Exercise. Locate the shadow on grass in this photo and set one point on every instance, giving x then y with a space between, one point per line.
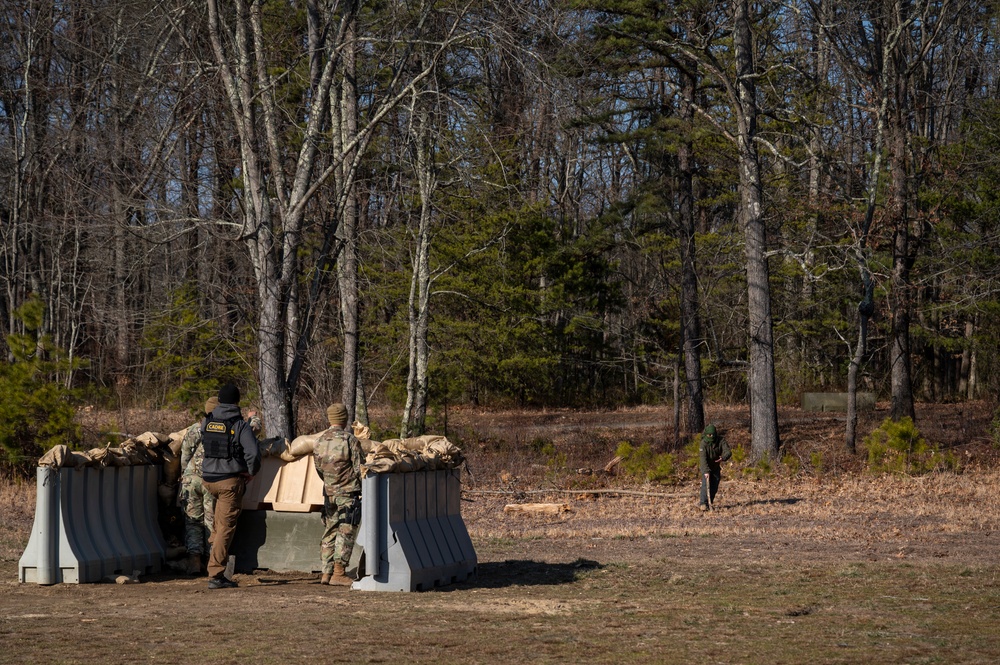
493 575
766 502
501 574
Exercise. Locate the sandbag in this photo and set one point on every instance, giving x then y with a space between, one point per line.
176 439
171 467
273 447
62 457
108 457
415 444
378 465
135 453
300 447
361 431
430 452
153 439
445 451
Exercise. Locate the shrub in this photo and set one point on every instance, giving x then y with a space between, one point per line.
898 447
36 404
760 470
791 463
995 429
816 460
691 454
643 464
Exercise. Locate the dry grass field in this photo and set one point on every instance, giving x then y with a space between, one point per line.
812 561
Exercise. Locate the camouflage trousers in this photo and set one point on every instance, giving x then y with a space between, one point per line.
339 535
199 515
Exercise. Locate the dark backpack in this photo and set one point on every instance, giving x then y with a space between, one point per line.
218 437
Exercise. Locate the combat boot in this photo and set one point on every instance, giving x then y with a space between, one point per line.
325 579
339 578
193 564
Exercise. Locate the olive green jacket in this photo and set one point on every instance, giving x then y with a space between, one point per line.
711 449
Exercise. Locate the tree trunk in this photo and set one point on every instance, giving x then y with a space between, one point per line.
347 266
901 405
415 412
239 76
690 320
677 401
764 439
965 370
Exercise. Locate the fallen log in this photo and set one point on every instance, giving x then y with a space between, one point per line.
537 508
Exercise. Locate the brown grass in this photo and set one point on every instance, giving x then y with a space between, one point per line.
17 512
890 511
806 565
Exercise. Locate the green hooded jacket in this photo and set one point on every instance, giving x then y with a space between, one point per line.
711 448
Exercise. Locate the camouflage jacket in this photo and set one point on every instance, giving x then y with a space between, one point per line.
192 452
338 459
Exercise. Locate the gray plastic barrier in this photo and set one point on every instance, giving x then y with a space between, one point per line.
93 522
412 534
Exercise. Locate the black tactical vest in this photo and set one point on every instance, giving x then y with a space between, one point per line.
218 437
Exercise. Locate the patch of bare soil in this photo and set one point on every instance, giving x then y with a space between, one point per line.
816 564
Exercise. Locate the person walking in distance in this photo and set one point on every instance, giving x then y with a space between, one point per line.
712 452
232 458
338 456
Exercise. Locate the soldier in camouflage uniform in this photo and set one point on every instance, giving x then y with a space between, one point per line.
198 505
338 458
196 501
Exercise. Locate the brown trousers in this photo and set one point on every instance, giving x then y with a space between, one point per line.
228 495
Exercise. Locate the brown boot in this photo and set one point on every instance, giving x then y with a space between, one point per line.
325 579
339 578
193 564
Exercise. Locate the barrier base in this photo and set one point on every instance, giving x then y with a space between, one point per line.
282 542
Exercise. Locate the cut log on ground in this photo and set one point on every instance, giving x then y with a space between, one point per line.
536 508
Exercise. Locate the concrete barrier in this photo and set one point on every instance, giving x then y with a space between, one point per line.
412 536
836 402
278 541
93 522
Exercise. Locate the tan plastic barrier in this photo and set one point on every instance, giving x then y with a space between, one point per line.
281 486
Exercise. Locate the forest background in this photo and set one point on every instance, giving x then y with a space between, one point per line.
496 203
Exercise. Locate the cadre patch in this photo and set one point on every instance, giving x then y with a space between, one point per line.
215 427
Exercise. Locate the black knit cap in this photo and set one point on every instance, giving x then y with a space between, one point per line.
229 394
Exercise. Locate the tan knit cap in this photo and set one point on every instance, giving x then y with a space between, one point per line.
210 404
337 414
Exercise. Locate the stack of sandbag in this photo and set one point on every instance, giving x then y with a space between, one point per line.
148 448
423 453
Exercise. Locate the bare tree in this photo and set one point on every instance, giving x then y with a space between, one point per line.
275 196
